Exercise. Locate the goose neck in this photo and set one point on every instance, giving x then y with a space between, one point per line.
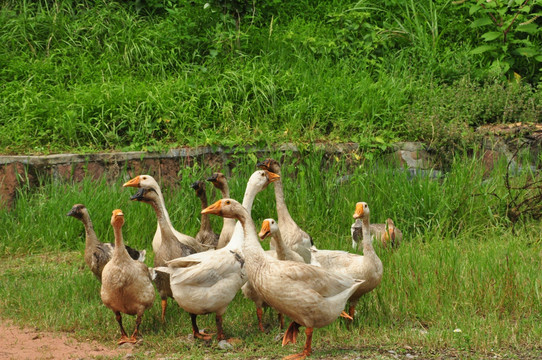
367 241
119 242
282 209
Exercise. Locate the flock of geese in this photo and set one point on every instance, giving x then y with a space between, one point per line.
204 273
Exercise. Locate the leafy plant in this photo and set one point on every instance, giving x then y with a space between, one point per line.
509 35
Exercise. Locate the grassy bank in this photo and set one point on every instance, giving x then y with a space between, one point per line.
102 75
462 283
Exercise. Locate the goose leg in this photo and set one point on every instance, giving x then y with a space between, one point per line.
259 313
220 332
164 306
133 338
123 336
290 336
307 350
281 320
195 331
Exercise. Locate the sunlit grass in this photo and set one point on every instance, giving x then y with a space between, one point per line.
460 266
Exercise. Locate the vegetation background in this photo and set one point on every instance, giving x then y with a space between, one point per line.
150 74
88 76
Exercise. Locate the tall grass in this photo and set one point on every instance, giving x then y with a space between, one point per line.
106 75
462 280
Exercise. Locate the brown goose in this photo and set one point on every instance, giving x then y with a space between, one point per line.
97 254
385 233
205 236
294 237
220 182
126 283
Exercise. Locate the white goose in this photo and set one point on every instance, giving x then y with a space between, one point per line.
207 282
294 237
367 266
313 297
281 252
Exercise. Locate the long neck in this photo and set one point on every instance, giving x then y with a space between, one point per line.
225 190
252 250
90 235
119 250
282 209
163 206
367 241
205 222
164 224
279 246
248 200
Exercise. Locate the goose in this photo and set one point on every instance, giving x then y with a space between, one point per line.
97 254
294 237
126 283
220 182
367 266
281 252
167 243
207 282
385 233
311 296
205 236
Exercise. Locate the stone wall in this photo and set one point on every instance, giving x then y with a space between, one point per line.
18 170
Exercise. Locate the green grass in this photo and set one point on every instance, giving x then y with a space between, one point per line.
107 75
460 266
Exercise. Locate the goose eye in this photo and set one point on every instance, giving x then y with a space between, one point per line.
227 202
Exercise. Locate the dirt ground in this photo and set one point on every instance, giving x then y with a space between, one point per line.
27 343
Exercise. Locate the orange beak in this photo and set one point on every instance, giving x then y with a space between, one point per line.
215 209
272 176
265 231
132 183
118 217
359 211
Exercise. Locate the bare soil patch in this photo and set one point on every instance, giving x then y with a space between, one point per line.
28 343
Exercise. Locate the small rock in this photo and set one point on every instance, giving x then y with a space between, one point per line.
126 346
407 347
128 356
224 345
392 352
423 331
410 356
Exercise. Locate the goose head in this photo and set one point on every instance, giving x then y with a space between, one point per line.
199 187
227 208
117 218
269 227
142 181
146 195
260 179
218 180
77 211
362 210
270 165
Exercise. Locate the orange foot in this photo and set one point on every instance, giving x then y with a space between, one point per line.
299 356
346 316
125 339
203 336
